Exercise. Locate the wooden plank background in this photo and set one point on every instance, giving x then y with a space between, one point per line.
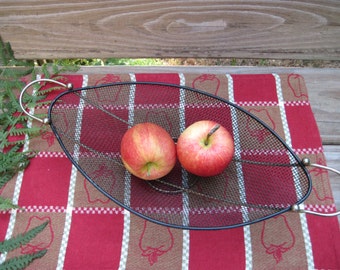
51 29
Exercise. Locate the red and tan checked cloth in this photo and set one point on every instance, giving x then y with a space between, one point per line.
88 231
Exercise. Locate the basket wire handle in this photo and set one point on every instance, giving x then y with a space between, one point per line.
45 120
298 208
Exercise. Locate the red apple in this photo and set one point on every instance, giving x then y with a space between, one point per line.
205 148
148 151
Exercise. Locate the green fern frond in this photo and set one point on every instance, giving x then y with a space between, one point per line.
6 204
13 150
33 131
7 56
31 100
11 163
10 83
4 179
16 72
45 103
65 68
49 90
52 70
21 239
22 118
17 142
14 123
22 261
14 160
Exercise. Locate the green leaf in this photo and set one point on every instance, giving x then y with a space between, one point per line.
14 132
7 56
22 261
6 204
4 179
13 162
25 131
21 239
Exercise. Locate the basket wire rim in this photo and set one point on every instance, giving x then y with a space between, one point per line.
187 88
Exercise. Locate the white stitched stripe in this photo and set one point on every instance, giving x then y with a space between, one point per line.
246 229
73 178
185 198
127 189
303 219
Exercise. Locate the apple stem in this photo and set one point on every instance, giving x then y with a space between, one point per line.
148 167
211 132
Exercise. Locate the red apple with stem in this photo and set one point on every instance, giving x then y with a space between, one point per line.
148 151
205 148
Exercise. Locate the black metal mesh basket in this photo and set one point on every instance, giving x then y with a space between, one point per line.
264 179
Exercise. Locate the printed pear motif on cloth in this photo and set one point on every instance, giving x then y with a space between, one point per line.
109 78
295 83
260 133
48 136
93 195
155 241
207 82
323 185
43 240
277 237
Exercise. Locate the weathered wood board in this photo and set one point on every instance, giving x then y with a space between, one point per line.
237 29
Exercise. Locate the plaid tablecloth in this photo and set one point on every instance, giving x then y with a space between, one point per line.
88 231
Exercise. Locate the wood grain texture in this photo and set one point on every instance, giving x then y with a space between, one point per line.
101 29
